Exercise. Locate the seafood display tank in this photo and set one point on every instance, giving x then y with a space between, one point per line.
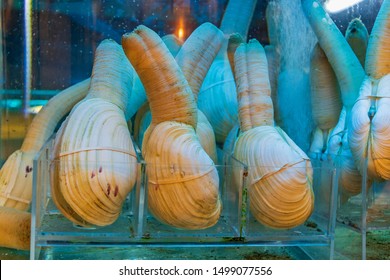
195 129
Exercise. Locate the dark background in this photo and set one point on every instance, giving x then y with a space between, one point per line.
66 33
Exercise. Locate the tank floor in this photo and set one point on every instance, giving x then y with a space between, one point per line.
347 246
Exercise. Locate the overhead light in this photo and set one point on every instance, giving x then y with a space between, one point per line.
336 6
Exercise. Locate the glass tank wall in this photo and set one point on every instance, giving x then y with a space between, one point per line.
47 46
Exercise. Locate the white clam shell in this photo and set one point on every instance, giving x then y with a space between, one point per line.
280 177
183 182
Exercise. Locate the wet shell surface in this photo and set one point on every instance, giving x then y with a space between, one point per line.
217 99
93 173
280 192
369 133
183 181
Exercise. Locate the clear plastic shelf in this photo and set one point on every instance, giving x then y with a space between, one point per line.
136 226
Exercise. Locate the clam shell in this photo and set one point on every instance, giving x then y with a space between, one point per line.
183 182
350 179
92 174
369 134
16 180
217 99
280 177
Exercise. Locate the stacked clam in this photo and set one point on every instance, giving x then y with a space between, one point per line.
93 164
361 133
183 182
16 175
280 174
369 135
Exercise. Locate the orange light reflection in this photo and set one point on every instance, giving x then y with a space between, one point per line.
181 29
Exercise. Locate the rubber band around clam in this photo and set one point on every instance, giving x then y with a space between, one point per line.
18 199
256 180
215 84
182 180
123 151
368 97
